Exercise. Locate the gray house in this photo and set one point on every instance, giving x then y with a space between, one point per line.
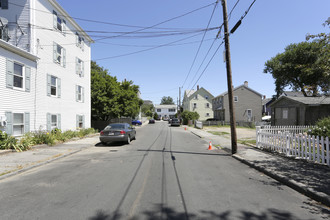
289 110
247 105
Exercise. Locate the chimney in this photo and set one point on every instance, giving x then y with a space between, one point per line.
264 97
246 83
197 87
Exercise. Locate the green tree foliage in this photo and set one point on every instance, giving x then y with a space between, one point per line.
167 101
322 128
188 115
156 115
304 66
147 109
111 99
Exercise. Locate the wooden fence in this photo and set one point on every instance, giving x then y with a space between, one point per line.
294 144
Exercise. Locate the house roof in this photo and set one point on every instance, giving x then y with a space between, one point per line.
323 100
238 87
188 92
73 22
294 94
165 106
265 101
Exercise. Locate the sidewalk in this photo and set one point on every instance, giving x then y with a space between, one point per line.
308 178
12 163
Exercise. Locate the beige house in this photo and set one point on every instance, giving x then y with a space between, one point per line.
199 101
247 105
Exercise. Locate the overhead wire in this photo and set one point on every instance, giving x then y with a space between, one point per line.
215 6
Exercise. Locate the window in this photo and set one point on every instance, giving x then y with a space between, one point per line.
18 124
4 4
79 41
53 86
235 98
18 75
207 114
171 110
79 67
285 113
196 97
194 105
59 23
249 114
159 110
80 121
207 105
4 32
59 55
79 94
206 97
53 122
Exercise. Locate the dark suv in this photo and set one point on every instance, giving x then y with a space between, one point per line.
175 122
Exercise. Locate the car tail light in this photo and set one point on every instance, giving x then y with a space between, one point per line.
122 132
101 133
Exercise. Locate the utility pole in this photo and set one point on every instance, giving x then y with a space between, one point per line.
179 109
229 81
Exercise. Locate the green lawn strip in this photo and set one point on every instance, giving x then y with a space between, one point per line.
220 133
247 141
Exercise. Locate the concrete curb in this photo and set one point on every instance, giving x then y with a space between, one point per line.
302 188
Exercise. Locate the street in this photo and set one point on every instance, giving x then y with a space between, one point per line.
166 173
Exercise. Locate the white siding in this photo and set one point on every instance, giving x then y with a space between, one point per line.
37 102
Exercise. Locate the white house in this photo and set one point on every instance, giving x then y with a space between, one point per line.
44 68
166 111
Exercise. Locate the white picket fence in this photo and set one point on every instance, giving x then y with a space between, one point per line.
290 129
298 145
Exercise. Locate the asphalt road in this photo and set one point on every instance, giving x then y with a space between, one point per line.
166 173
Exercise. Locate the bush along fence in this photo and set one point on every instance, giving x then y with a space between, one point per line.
40 137
294 141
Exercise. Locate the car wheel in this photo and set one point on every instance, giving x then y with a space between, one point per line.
128 139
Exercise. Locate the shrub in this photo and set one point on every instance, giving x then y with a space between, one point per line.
188 115
322 128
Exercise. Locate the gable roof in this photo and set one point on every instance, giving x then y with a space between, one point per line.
165 106
188 92
194 92
238 87
323 100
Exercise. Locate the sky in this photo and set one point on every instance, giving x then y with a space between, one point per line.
162 45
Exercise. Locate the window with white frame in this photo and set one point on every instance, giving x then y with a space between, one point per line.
194 105
18 124
206 97
196 97
207 105
171 110
59 23
59 54
53 122
285 113
79 41
207 114
249 114
79 93
79 67
235 98
18 76
53 86
4 4
80 122
159 110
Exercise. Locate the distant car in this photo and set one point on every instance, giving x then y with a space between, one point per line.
136 122
152 121
118 132
169 121
175 122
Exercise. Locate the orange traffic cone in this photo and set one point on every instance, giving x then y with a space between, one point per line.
210 146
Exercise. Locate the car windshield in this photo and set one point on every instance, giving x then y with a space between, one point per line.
115 126
175 119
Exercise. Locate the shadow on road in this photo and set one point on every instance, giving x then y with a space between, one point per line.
187 152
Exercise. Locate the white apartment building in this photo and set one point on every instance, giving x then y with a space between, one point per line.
44 68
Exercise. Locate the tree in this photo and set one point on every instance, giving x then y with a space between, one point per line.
188 115
167 101
111 99
304 66
156 115
147 109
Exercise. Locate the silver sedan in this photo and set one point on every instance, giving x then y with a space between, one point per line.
118 132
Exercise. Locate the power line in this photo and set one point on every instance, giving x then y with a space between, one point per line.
207 65
231 11
108 23
200 44
238 23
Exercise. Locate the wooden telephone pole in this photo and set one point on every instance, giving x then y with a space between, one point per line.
229 81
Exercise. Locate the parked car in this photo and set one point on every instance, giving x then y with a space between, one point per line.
136 122
175 122
151 121
211 119
118 132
